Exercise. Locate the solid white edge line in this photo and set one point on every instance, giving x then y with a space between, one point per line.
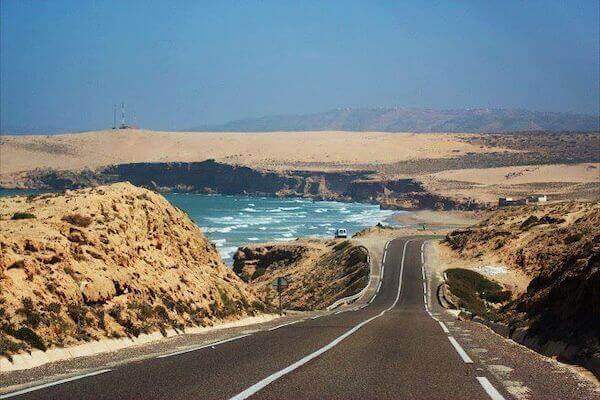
288 324
202 347
461 352
273 377
50 384
489 388
444 328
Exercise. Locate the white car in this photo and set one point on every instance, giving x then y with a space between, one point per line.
341 233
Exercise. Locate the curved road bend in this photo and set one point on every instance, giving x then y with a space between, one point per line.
392 348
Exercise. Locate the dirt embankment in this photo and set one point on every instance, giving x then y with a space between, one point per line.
111 261
558 247
319 272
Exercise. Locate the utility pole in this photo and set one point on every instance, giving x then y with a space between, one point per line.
122 115
114 116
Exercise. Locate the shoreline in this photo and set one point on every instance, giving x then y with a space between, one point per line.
228 236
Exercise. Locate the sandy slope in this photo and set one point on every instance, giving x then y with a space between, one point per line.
110 261
279 150
319 271
558 247
586 172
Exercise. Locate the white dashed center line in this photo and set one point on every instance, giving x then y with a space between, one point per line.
489 388
461 352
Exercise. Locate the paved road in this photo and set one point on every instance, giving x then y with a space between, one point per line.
391 348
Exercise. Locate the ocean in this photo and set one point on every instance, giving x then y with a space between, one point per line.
233 221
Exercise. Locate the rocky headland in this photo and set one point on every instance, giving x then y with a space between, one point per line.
211 177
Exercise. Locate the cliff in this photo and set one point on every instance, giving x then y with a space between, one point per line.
107 262
558 246
319 272
213 177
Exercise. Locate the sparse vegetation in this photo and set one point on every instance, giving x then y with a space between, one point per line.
476 292
67 296
229 306
9 346
29 336
32 316
23 215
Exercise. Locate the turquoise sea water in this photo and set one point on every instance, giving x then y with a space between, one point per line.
233 221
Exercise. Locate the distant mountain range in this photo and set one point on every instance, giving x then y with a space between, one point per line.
394 119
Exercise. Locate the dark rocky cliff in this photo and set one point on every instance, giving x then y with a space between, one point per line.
213 177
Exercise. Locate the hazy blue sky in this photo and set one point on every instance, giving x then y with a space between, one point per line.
183 63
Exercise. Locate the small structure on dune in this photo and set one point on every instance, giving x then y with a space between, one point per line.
510 201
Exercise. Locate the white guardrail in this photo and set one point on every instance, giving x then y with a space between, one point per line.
354 297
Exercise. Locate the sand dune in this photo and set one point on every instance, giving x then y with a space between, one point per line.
278 150
583 173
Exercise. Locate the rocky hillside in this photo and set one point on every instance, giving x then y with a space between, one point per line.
397 119
319 272
110 261
558 246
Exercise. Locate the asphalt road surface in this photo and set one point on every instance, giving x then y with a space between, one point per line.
390 348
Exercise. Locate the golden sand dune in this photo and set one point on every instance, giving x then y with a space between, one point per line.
583 173
278 150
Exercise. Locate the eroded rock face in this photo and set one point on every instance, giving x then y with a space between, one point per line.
319 272
210 176
108 261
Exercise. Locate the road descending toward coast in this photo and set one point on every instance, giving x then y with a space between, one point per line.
392 347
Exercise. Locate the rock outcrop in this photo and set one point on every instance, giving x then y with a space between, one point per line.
108 261
558 245
319 272
219 178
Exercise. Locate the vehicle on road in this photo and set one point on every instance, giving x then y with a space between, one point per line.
341 233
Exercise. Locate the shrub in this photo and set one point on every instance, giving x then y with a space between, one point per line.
9 346
229 306
161 312
23 215
130 327
78 314
27 335
473 289
78 220
32 316
258 272
573 238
